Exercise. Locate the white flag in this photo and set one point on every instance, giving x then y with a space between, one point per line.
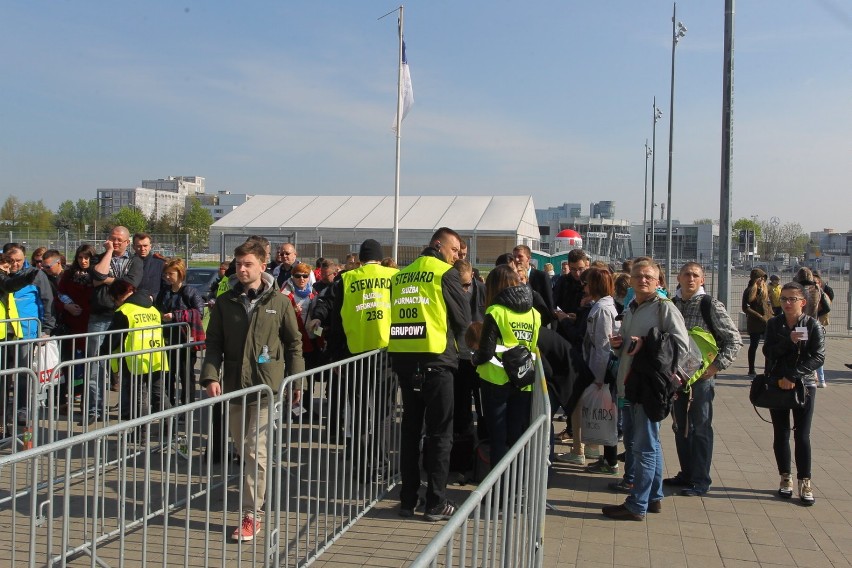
407 91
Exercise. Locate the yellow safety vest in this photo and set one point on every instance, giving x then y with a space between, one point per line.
142 364
418 313
9 311
366 307
516 328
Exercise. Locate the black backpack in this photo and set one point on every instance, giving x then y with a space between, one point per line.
653 379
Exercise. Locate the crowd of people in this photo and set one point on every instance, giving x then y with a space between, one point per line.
452 339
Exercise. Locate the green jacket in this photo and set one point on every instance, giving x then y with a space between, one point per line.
235 340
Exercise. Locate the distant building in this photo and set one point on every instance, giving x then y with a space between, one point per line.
689 242
600 232
154 198
221 203
829 250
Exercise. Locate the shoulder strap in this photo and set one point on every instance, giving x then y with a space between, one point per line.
706 307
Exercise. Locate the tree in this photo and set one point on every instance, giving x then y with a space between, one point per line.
132 218
10 212
36 215
746 225
197 223
705 221
65 216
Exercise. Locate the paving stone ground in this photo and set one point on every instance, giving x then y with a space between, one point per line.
740 523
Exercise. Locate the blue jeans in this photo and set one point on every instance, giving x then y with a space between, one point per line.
694 433
648 464
97 371
627 434
821 374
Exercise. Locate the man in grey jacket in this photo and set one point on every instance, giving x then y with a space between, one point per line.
647 310
693 410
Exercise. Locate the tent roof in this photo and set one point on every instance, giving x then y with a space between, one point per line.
464 213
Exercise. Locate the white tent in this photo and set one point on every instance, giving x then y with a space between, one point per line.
316 224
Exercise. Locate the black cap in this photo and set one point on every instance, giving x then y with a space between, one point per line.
370 250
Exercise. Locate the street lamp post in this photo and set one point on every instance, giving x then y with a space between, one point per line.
645 209
658 114
678 31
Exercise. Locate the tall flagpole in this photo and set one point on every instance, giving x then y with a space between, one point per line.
398 145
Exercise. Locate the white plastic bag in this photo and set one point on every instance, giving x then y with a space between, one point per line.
600 416
45 360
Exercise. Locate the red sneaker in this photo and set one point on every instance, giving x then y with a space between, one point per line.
248 528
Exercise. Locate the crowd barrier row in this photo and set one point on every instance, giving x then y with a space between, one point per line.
501 523
168 487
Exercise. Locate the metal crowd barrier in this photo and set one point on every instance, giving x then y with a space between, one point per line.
136 492
51 402
25 322
167 487
502 522
347 440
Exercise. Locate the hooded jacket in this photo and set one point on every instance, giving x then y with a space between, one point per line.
237 333
516 298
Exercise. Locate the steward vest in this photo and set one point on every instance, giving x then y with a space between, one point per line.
224 286
366 307
418 312
142 364
9 311
516 328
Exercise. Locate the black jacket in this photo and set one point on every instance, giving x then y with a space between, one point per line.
539 281
458 320
568 293
152 275
796 362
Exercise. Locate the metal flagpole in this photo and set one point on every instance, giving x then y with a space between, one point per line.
398 145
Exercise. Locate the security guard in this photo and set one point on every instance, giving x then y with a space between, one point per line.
429 309
134 310
354 314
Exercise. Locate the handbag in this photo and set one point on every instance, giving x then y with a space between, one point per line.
765 393
519 366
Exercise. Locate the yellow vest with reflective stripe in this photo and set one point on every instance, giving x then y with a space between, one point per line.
418 313
516 328
366 307
137 317
9 311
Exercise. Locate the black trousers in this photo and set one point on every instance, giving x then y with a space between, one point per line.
433 405
802 418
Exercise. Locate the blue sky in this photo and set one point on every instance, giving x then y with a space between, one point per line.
552 99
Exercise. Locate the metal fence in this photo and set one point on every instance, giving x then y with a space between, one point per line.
501 523
166 488
839 318
66 242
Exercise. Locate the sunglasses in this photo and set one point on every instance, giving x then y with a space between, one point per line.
300 276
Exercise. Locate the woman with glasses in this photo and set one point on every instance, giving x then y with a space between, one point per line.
301 293
794 348
758 310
